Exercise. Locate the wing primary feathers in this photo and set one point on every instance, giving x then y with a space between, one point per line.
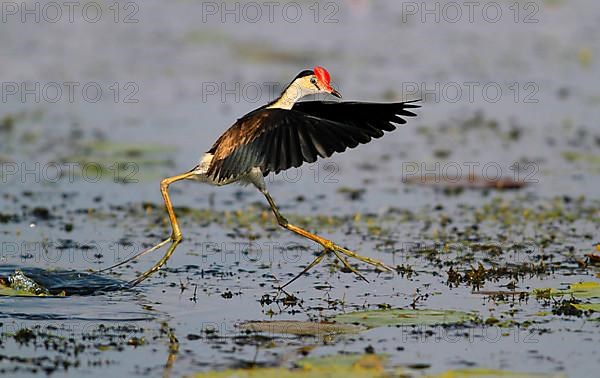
278 139
308 150
276 157
322 149
246 158
283 149
294 144
333 140
268 152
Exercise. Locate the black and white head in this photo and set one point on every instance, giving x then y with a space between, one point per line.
307 82
314 81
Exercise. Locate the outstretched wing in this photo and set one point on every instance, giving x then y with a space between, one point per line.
278 139
374 118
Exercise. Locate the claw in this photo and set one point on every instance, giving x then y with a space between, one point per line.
348 266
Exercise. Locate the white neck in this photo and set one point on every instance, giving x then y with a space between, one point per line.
289 97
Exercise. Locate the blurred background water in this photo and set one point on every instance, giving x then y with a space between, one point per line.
142 89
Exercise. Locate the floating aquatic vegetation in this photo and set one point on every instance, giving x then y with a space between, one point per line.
570 301
352 194
7 123
367 360
592 160
62 347
593 307
491 373
585 289
347 366
476 277
590 289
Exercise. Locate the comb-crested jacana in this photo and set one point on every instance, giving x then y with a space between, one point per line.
284 134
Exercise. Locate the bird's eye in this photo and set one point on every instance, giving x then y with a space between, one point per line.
313 80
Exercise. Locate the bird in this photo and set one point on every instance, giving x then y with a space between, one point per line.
282 134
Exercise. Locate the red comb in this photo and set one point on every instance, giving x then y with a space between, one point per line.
322 74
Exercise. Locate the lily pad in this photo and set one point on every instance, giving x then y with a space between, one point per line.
490 373
300 328
404 317
594 307
585 290
581 290
352 366
588 289
364 360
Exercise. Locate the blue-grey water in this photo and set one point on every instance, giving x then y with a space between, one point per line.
152 84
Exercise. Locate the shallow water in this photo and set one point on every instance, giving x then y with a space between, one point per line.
230 260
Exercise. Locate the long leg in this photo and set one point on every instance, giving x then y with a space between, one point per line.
327 244
176 235
164 189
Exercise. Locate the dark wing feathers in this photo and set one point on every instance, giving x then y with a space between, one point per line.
309 152
278 139
360 114
296 157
